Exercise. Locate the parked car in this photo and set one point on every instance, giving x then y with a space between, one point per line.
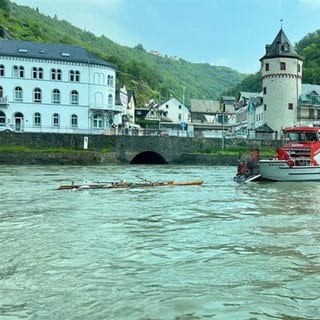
6 128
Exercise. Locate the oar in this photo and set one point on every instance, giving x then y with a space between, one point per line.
103 182
144 179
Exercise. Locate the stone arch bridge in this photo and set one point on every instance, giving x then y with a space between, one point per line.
152 149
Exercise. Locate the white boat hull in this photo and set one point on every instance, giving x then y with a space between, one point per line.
279 170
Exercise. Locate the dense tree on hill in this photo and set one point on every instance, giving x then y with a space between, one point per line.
309 49
5 6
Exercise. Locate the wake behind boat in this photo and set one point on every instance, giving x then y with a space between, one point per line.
122 184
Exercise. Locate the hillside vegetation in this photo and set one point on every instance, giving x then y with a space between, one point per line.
151 77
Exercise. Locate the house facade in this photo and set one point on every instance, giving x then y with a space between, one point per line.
176 111
55 88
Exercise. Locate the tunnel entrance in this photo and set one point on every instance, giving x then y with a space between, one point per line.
148 157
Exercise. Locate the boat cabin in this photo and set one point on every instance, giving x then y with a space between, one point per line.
302 134
302 148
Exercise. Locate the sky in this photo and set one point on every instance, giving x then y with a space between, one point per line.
230 33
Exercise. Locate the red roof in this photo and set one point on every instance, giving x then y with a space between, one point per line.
302 128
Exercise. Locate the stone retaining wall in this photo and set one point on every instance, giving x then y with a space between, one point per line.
115 149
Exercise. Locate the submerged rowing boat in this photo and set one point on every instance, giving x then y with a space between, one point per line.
121 184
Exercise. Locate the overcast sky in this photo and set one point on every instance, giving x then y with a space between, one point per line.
231 33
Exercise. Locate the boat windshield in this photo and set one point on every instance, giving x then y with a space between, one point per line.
302 136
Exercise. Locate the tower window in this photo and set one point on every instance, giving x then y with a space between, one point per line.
267 66
290 106
282 66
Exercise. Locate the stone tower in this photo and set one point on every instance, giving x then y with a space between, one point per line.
281 72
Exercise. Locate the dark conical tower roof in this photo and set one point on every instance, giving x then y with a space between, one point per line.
280 47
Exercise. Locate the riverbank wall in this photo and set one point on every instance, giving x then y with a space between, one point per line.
75 149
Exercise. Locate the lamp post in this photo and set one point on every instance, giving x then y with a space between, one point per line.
183 122
222 136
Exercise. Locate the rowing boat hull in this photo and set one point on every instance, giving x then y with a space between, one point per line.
130 185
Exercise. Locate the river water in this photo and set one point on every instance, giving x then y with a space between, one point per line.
222 250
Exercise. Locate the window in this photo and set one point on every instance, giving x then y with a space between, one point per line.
21 72
290 106
71 75
110 80
37 95
2 118
264 90
18 96
298 67
77 76
74 99
56 120
267 66
56 74
74 76
37 119
110 99
37 73
98 121
1 70
264 107
56 96
282 66
18 72
15 71
74 121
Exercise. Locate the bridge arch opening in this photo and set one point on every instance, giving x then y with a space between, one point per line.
148 157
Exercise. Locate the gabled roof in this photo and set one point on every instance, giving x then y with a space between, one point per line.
307 88
38 50
171 100
281 47
248 95
264 129
228 99
205 106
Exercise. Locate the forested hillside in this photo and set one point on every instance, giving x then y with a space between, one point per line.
148 75
309 49
151 77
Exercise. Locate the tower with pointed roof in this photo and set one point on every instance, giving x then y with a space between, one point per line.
281 72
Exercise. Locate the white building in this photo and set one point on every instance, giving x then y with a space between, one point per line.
176 111
281 72
55 88
284 100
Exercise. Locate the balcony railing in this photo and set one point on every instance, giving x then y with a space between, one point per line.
4 102
107 107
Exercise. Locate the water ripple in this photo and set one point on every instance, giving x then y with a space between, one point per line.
220 251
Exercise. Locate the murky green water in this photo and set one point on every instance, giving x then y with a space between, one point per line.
220 251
